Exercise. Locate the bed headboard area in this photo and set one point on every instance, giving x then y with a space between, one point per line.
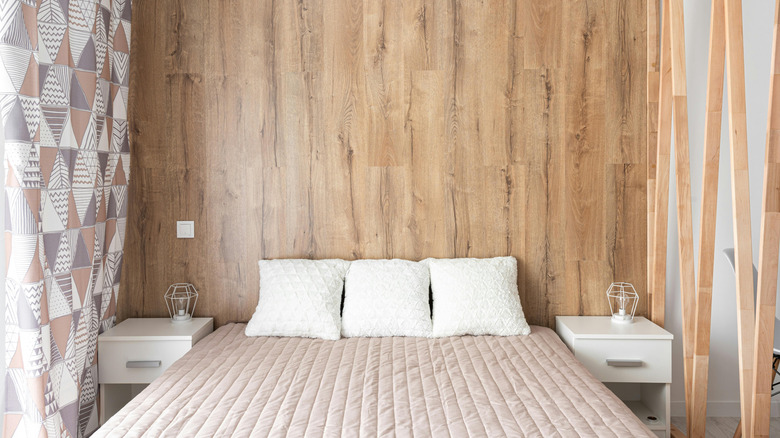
387 129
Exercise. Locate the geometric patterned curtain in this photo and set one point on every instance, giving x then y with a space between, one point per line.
64 68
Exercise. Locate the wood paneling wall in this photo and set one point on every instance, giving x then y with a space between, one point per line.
379 129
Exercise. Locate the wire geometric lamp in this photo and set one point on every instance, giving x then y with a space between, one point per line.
181 299
623 300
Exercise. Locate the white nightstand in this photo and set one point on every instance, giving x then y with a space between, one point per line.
137 351
633 360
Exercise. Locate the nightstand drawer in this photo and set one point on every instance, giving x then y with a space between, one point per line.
626 360
137 361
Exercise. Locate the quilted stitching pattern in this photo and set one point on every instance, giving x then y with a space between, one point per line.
496 386
299 298
476 297
386 298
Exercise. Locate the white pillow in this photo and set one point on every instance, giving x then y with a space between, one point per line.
476 297
299 298
386 298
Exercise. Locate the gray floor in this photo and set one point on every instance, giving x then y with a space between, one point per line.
723 427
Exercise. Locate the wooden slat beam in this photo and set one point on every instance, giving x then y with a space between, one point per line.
709 207
768 254
740 193
653 88
683 181
663 154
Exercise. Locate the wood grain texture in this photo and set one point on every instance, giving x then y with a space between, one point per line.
386 129
657 274
740 199
653 89
766 300
682 164
709 207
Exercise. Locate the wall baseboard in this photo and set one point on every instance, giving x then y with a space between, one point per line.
720 409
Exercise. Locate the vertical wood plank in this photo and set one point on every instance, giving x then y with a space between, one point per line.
740 198
386 212
663 163
683 181
653 16
543 20
384 60
709 207
482 145
341 162
585 61
542 268
429 30
432 214
626 181
626 184
768 252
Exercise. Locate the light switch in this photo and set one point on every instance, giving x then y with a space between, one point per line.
185 229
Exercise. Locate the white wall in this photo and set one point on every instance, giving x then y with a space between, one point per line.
758 19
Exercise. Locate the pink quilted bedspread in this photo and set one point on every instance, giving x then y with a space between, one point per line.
233 385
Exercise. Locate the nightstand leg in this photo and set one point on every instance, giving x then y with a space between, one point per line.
102 404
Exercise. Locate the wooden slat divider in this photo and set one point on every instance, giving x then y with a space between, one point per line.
768 254
653 89
709 204
663 154
683 181
743 253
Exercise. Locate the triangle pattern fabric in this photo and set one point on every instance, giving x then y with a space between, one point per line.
18 155
101 92
52 25
58 202
51 34
60 175
12 27
50 402
32 352
82 196
55 87
119 138
88 11
15 62
6 84
15 123
64 68
87 59
76 18
55 117
34 293
58 303
32 113
78 41
32 173
77 97
62 261
51 11
86 169
89 137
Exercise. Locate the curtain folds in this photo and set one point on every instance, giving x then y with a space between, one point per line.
64 68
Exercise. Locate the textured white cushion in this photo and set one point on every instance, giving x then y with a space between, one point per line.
299 298
386 298
476 297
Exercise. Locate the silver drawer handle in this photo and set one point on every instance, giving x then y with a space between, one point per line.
624 363
143 364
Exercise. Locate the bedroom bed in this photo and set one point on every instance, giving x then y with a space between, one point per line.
233 385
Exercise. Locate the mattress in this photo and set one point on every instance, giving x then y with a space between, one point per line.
233 385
